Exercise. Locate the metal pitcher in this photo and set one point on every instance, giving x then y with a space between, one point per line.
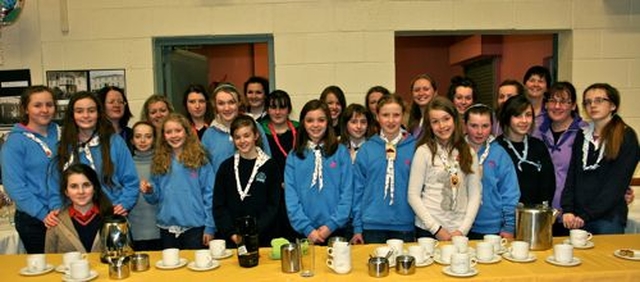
115 238
534 225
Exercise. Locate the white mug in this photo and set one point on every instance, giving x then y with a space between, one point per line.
461 243
383 251
497 241
203 258
428 244
579 237
339 251
340 266
484 251
170 256
419 253
462 263
519 250
563 253
446 251
217 247
79 269
397 245
36 262
69 257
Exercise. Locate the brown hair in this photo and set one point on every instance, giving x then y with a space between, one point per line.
613 133
415 114
25 98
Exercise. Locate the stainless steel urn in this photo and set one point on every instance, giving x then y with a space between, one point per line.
534 224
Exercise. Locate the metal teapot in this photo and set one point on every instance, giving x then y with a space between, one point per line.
115 238
534 225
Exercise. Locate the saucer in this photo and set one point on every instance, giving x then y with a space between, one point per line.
619 255
26 272
495 259
508 257
472 272
160 264
213 265
502 250
574 261
426 262
436 258
92 274
61 268
589 245
227 253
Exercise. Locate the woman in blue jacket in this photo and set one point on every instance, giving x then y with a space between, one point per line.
318 177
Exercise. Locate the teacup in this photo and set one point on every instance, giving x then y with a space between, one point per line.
276 244
36 262
563 253
69 257
419 253
339 250
397 245
498 242
203 258
383 251
519 250
461 243
579 237
79 269
462 263
428 244
217 247
445 253
170 256
484 251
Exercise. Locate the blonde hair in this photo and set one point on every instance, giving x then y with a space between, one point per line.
193 154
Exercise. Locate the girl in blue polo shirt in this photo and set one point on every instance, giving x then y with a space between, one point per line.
318 177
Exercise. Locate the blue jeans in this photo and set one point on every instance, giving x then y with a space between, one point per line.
381 236
605 226
32 232
189 240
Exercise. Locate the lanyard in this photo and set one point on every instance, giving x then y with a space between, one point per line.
275 136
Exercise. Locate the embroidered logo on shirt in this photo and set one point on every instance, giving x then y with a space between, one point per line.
261 177
194 174
333 164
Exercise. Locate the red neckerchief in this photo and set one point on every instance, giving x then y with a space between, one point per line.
275 136
84 219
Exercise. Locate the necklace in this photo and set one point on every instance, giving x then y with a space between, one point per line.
272 128
485 154
260 160
452 169
391 153
589 138
522 158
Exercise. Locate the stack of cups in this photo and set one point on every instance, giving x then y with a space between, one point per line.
339 257
397 246
461 243
428 244
499 243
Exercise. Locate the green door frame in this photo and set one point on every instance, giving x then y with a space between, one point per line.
163 44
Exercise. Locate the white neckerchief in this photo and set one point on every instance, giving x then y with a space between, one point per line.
522 158
356 145
588 138
391 153
452 169
260 160
43 145
86 148
215 123
487 144
317 171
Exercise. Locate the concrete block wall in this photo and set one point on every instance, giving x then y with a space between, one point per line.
318 43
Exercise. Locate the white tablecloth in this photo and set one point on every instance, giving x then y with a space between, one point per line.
10 241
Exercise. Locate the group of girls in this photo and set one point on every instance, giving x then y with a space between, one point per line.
353 171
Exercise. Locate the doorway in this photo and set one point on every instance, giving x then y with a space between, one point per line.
209 60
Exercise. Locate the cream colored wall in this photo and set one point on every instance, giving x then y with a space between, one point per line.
317 43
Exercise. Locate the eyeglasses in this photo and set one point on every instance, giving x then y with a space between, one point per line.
596 101
561 102
116 102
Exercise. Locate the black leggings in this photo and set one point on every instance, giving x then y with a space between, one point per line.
32 232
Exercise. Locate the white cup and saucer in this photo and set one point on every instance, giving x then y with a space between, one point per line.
462 265
68 258
36 265
203 261
519 252
218 249
422 257
499 243
79 270
171 259
443 254
485 253
563 256
580 239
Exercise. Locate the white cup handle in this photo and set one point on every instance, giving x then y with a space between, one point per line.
436 244
330 251
473 262
589 236
503 241
330 263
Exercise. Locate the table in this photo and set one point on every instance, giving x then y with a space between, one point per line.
598 264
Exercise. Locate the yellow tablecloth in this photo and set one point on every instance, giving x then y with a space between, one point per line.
598 264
